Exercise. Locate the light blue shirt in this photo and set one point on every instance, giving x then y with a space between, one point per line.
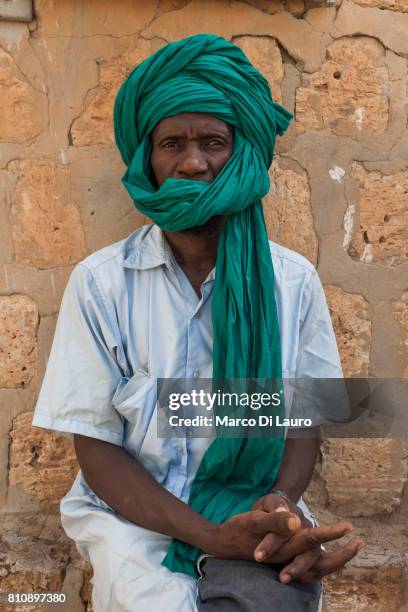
129 316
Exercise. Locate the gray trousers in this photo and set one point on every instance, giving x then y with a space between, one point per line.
230 585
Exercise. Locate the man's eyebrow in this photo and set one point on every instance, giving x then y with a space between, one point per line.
212 134
169 135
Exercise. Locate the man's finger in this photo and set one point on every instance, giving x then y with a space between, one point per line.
300 565
271 504
333 561
281 523
269 545
307 539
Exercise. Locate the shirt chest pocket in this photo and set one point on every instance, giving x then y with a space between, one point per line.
135 399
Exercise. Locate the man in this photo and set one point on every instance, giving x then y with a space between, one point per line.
200 294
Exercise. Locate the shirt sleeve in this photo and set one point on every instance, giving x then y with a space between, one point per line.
318 356
82 374
319 389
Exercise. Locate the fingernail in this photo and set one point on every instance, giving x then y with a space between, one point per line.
285 578
259 555
281 509
293 523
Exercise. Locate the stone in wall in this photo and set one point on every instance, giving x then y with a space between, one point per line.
24 110
302 42
372 582
103 18
171 5
364 476
400 311
296 7
29 564
288 214
389 27
352 326
390 5
42 463
95 124
18 340
348 96
263 52
382 232
45 221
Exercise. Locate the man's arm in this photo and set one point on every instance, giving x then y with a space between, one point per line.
295 473
298 461
296 470
131 490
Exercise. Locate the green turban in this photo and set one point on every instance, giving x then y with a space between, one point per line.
208 74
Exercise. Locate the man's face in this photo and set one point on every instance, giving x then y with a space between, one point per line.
191 146
194 147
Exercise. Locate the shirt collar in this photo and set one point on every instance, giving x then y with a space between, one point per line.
151 251
148 249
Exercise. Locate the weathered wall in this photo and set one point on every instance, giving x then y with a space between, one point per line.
339 196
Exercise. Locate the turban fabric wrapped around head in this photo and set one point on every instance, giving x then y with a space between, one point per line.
207 74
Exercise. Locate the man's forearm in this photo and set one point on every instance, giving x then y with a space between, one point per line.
297 466
131 490
123 483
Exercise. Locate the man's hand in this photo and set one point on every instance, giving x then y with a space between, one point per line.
272 541
277 538
239 535
310 562
272 502
307 540
313 564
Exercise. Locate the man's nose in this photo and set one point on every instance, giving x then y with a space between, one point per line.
192 162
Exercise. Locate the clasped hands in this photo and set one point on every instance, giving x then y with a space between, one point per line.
275 531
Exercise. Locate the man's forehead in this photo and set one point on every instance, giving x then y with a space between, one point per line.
184 122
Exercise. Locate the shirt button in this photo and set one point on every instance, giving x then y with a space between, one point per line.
196 374
197 315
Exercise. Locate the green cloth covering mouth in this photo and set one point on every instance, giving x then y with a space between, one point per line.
207 74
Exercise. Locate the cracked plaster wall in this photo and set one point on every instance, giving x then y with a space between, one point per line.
339 196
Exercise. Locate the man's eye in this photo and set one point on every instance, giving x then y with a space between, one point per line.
170 144
215 142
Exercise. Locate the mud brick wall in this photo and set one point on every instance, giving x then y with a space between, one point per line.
339 196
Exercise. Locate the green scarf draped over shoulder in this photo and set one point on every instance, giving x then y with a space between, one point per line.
208 74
